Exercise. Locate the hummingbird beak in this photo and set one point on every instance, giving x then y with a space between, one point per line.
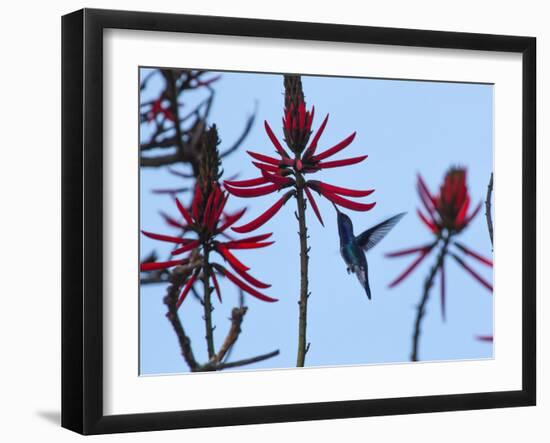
335 207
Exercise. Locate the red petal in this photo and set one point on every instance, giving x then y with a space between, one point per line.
314 205
265 217
155 266
474 254
186 289
166 238
197 199
277 179
431 226
168 114
172 221
473 273
230 258
339 190
267 168
426 248
427 198
206 216
218 204
335 149
344 162
472 215
217 215
253 281
344 202
488 338
191 245
302 114
230 219
247 288
255 238
274 140
247 245
246 183
264 158
310 118
253 192
313 145
216 286
463 210
184 213
407 271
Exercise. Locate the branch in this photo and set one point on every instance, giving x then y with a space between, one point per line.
488 209
247 128
154 278
237 315
156 162
238 363
168 142
178 276
421 309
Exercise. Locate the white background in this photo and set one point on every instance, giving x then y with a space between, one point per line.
30 179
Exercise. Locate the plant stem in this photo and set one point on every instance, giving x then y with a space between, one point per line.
304 259
208 306
427 285
488 209
177 277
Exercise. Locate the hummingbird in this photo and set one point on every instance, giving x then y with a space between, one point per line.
353 248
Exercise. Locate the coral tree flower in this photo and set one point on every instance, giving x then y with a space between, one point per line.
158 107
285 171
446 215
207 220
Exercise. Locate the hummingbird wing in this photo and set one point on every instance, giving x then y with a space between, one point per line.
371 237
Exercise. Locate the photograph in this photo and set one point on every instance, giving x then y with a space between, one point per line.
291 220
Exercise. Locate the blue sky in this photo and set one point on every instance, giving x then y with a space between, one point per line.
405 127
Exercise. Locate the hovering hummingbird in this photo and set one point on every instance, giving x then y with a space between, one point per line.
353 247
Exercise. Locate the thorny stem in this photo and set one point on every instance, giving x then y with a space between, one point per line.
488 209
421 309
178 276
207 299
304 259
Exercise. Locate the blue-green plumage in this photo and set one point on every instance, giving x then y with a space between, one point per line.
353 248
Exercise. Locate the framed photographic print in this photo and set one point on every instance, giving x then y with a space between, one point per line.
256 209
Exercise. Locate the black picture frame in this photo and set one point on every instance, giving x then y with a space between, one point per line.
82 217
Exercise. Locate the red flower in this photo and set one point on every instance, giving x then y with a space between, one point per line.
449 209
282 172
158 108
207 219
446 215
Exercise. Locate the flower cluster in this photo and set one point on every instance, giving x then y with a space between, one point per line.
446 215
160 107
286 171
206 221
448 210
